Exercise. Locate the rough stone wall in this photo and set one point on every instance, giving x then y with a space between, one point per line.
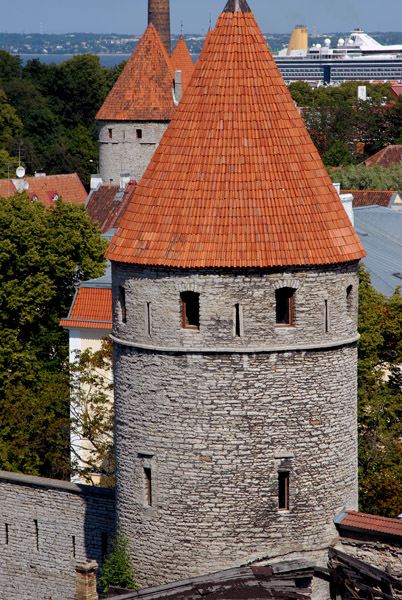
46 527
124 151
214 418
378 554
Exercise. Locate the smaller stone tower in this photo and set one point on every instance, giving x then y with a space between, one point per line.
137 111
159 15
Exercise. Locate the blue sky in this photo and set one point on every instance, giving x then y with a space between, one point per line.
130 16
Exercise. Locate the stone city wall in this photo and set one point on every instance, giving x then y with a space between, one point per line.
380 554
46 527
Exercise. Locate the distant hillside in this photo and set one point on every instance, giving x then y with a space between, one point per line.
110 43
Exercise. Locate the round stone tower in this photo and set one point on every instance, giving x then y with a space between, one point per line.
159 15
235 310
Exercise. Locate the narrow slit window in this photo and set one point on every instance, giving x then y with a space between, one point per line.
73 549
284 306
190 310
283 490
110 133
349 299
139 134
149 318
36 533
326 321
148 486
7 534
124 134
237 321
123 307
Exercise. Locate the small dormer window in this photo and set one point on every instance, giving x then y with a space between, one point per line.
190 310
284 306
55 197
34 198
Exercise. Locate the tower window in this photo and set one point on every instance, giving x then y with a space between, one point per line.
139 134
283 490
326 319
148 312
7 534
110 133
238 323
148 485
284 306
190 310
349 299
122 302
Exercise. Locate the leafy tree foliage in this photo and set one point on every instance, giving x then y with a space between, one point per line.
369 178
117 568
92 417
10 123
380 400
10 66
42 256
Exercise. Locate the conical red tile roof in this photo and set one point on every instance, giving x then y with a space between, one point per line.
143 92
236 180
182 61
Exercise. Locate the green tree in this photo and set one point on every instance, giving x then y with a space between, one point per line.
10 66
369 178
8 165
117 568
302 93
43 254
337 155
10 123
379 400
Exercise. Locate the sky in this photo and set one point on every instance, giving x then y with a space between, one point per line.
130 16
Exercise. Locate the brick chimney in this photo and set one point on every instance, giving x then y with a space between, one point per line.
86 581
159 16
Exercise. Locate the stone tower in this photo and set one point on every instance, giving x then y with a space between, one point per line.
235 311
159 15
137 111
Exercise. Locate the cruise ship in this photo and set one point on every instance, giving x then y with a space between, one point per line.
358 57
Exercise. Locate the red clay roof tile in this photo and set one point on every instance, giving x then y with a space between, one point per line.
236 176
363 521
143 92
46 189
92 308
386 157
370 197
182 61
106 205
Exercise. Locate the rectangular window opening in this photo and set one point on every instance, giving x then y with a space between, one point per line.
139 134
7 534
349 298
124 134
190 310
149 318
148 485
73 542
36 533
326 322
104 542
237 321
283 491
110 133
284 306
123 308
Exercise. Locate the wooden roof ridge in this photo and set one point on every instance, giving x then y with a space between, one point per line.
143 91
236 180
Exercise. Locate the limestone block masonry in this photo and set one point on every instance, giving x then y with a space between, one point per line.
46 528
206 419
127 147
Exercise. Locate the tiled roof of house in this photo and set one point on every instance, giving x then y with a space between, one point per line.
143 92
182 61
370 197
371 523
7 188
236 180
396 89
385 157
46 189
107 204
91 308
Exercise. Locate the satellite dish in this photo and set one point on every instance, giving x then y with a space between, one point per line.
20 172
26 185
